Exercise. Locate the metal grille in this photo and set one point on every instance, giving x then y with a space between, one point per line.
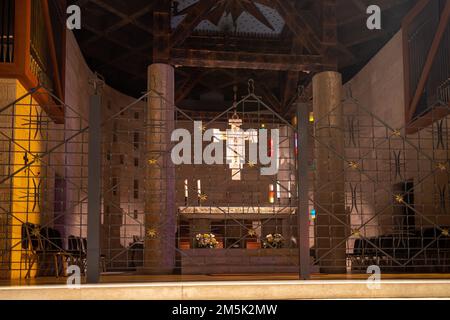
43 172
389 197
379 195
155 212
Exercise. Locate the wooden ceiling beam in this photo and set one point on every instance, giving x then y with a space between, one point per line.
266 93
244 60
125 20
161 31
236 42
290 80
124 17
290 86
329 33
197 15
187 87
299 25
235 79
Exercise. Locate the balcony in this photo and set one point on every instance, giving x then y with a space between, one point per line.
32 42
426 36
7 31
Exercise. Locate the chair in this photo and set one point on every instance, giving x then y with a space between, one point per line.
78 250
40 243
54 245
77 247
32 244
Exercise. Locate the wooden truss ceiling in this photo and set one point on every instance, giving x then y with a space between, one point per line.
234 8
119 39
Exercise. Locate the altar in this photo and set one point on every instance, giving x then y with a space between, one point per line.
248 213
237 227
239 261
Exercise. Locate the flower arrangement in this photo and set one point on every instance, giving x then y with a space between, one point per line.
274 241
207 240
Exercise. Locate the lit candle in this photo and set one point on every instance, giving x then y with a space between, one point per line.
271 194
278 191
186 191
289 190
199 190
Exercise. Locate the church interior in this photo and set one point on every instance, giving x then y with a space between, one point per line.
349 106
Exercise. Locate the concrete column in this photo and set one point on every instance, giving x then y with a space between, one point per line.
94 189
303 190
329 189
160 214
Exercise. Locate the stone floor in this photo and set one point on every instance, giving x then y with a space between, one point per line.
210 288
117 278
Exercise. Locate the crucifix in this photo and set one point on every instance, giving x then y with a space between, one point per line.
235 139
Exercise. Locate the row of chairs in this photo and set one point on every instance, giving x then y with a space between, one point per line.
421 245
41 244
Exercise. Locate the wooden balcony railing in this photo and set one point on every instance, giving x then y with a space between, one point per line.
426 47
32 49
40 60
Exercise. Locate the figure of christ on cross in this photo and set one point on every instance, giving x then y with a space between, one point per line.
235 138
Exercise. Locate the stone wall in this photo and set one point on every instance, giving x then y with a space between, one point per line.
123 161
7 95
379 90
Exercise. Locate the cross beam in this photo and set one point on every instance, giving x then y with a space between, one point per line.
299 25
245 60
189 23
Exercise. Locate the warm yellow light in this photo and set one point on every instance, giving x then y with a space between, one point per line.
311 117
294 121
23 192
271 194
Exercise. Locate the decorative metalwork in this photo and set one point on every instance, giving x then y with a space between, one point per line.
397 133
354 198
442 166
397 164
152 233
352 131
353 165
37 123
440 135
372 215
442 196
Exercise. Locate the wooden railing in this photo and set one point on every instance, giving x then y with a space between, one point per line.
426 47
40 61
7 16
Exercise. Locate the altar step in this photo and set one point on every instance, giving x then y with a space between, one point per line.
242 269
240 261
